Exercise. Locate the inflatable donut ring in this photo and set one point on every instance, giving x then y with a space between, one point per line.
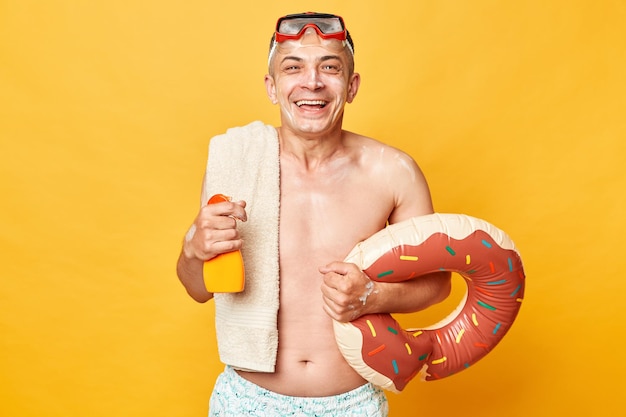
381 351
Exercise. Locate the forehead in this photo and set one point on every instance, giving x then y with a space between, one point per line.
312 49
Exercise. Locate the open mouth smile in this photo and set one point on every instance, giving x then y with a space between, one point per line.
320 104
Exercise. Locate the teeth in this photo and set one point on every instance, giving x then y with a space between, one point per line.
310 103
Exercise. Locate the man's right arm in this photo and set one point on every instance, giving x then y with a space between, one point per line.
189 271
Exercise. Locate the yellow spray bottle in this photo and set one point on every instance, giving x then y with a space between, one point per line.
225 272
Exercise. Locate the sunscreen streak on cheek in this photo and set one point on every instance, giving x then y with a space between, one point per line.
286 110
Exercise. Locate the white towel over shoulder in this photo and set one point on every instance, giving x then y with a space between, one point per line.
243 163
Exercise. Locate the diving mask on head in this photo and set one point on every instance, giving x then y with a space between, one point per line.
327 26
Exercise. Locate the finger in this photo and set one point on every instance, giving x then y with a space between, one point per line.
211 236
346 282
341 268
341 315
226 209
227 246
330 312
212 249
330 290
333 281
224 223
236 209
239 210
338 300
333 306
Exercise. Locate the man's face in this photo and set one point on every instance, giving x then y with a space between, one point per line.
311 80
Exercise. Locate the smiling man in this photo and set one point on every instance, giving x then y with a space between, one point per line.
336 188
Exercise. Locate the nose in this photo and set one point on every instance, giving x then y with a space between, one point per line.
312 79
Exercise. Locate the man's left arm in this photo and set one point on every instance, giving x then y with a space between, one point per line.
348 293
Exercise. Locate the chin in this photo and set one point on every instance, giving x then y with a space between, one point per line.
316 126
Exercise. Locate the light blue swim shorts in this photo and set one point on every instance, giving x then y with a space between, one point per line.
234 396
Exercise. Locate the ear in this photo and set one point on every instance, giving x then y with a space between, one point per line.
270 87
353 86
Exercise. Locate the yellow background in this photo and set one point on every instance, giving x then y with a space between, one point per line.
514 110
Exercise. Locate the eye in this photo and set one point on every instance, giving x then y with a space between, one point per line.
331 67
291 66
291 69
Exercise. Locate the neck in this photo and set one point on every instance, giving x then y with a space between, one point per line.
310 150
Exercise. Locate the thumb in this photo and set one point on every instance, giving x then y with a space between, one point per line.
340 268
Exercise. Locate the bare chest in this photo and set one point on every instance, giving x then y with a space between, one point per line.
321 221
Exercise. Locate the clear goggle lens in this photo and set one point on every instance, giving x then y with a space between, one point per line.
327 26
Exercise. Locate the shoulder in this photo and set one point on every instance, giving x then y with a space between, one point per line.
377 154
396 172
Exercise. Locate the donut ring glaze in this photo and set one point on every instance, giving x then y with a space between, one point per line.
387 355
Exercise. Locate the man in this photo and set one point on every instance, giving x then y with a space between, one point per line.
336 189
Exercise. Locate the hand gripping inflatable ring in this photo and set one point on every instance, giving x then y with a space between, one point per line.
381 351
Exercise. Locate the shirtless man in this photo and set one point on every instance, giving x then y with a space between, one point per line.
336 189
